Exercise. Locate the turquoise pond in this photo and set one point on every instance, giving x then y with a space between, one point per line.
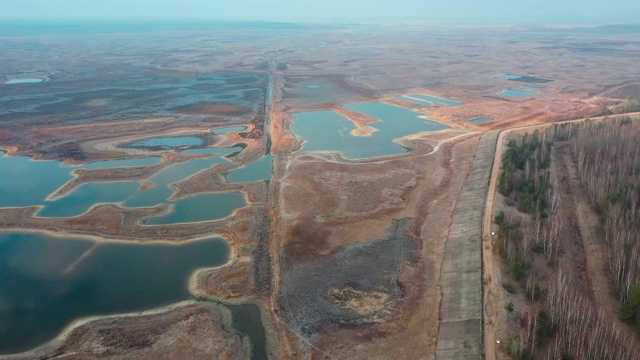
256 171
27 182
481 120
524 91
227 129
203 207
330 131
165 143
46 282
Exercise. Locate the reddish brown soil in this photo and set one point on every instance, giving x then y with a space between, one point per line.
329 205
191 331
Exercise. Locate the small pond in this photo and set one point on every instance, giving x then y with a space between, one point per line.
524 91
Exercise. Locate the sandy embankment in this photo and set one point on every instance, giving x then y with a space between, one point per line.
359 119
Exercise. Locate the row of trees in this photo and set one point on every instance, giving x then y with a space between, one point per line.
565 324
607 156
526 182
582 331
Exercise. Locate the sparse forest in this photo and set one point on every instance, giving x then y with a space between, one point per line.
607 156
526 183
562 321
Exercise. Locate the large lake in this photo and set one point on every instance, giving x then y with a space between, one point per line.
330 131
47 282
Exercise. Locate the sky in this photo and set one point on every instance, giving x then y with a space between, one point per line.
350 11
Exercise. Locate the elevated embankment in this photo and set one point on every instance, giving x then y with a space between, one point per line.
460 332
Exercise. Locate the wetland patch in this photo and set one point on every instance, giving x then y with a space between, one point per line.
133 92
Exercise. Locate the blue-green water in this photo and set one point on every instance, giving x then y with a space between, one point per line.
481 120
25 182
524 91
110 164
165 143
87 195
227 129
247 320
165 177
225 153
256 171
47 282
436 99
509 76
330 131
203 207
416 101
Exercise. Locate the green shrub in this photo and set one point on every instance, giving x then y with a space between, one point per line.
631 307
509 287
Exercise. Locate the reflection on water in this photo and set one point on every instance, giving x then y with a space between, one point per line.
330 131
247 320
203 207
524 91
47 282
256 171
225 130
27 182
165 143
110 164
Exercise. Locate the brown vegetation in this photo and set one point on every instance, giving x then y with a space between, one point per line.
559 317
608 162
188 331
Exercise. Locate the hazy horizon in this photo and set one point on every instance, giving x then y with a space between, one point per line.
327 11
